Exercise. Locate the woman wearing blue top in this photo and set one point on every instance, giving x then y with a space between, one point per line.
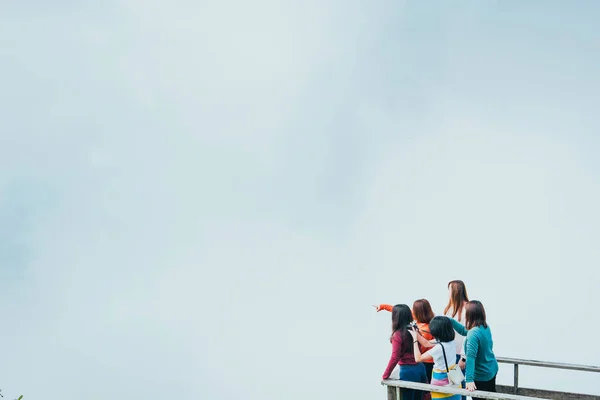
482 366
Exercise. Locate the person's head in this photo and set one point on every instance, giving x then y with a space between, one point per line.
422 311
401 317
475 315
457 297
441 329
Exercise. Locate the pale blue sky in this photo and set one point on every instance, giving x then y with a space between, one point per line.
202 200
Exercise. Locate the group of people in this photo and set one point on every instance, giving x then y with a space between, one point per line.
427 348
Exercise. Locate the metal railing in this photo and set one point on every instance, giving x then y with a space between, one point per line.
545 364
504 392
450 390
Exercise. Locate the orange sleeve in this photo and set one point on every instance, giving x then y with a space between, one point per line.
386 307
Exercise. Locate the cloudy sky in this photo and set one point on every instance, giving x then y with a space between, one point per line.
202 200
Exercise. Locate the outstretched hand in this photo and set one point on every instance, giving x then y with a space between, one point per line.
377 308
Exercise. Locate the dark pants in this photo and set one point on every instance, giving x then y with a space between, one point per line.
412 373
485 386
463 383
428 372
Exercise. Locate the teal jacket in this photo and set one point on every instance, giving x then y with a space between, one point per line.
481 361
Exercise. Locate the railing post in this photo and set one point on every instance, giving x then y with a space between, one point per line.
393 393
516 378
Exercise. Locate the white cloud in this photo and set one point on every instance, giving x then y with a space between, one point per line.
216 193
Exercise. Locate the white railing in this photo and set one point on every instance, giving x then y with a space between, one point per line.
545 364
503 391
450 390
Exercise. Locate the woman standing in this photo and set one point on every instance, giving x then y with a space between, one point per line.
456 308
482 366
403 354
423 314
441 354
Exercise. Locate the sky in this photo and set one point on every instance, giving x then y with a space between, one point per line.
202 200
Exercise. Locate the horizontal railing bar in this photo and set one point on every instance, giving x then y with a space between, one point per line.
545 364
450 390
551 394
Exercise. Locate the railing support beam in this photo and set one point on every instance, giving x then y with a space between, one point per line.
451 390
516 379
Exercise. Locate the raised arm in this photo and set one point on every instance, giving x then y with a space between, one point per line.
417 351
424 342
458 327
386 307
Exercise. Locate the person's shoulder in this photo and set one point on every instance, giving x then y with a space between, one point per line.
424 328
450 346
479 331
473 332
463 314
435 349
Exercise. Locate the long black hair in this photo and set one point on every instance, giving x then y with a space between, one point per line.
441 329
401 317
